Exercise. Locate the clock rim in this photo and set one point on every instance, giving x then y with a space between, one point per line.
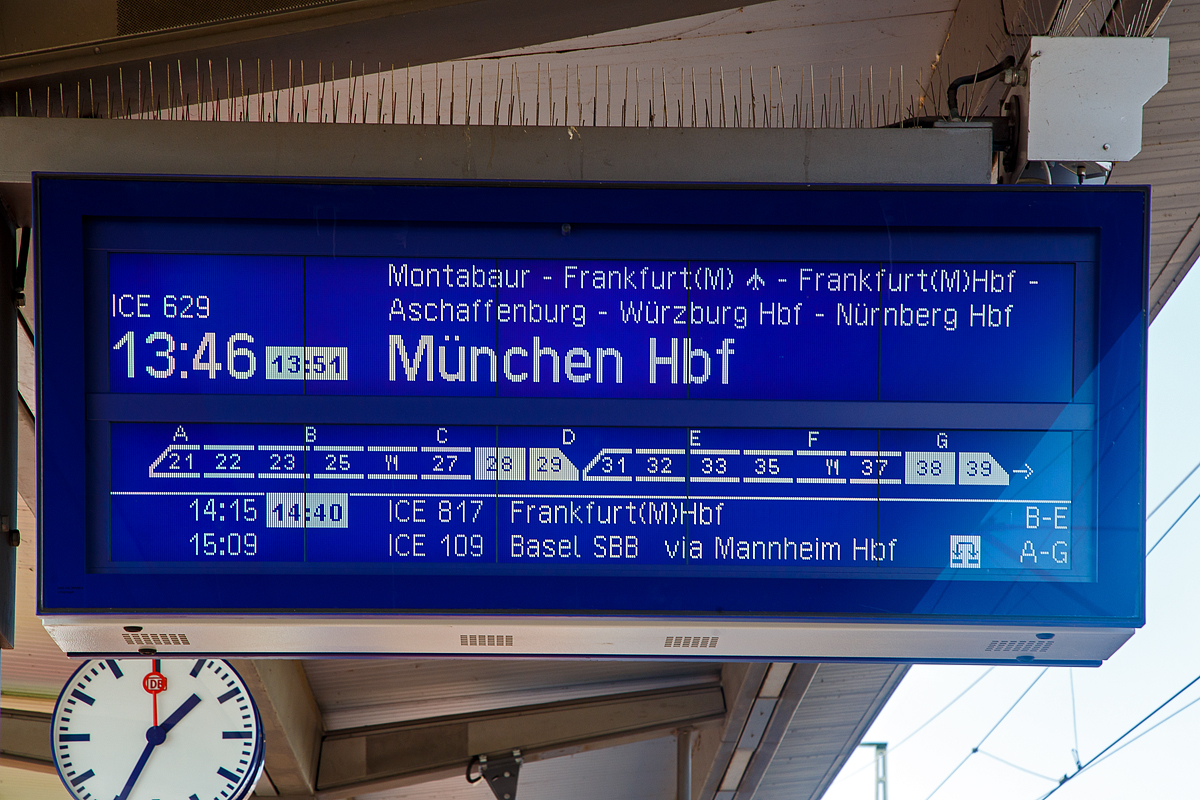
257 758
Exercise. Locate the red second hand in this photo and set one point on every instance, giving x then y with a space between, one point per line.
154 683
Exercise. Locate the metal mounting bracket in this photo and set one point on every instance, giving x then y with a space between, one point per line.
501 773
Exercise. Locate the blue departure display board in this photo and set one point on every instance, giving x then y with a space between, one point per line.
755 401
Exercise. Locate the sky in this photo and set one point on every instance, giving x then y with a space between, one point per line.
1081 709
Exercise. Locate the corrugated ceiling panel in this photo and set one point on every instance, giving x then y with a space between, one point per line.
1186 75
1173 107
1162 224
837 709
1172 203
1178 26
1168 175
371 692
640 771
1171 154
1167 131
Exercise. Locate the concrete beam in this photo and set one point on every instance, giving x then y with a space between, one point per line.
776 728
291 720
449 152
389 756
714 748
25 740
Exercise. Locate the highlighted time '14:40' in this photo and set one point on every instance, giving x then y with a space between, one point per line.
308 510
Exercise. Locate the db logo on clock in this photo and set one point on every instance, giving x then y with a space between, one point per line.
154 682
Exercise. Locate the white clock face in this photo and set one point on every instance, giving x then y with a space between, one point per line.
157 729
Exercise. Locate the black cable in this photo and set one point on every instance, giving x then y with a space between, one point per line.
975 749
1115 741
1173 524
1018 767
991 72
1162 721
1074 719
944 709
923 725
1171 493
1101 755
474 760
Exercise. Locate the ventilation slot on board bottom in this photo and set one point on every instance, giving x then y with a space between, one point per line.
472 640
691 641
1019 646
156 639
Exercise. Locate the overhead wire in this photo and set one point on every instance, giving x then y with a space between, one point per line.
1075 750
944 708
923 725
1099 756
995 757
1158 541
1171 493
1074 718
1163 502
1105 754
991 730
1162 721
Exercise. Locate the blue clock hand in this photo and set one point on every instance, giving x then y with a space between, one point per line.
156 735
180 713
141 764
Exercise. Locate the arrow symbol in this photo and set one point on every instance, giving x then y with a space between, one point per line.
1027 472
